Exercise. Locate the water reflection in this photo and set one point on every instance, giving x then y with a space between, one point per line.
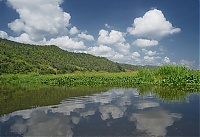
117 112
154 121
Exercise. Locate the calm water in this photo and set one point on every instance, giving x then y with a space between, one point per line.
116 112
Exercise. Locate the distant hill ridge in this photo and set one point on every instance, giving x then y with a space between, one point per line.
24 58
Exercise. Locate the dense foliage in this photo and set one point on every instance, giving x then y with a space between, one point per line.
23 58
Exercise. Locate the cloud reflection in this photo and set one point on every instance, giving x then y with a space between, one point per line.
143 104
111 105
154 121
40 124
114 111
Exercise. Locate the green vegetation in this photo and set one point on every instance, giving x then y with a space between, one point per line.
17 58
29 76
170 75
70 80
164 75
22 63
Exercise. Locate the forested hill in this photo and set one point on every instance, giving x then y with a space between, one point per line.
24 58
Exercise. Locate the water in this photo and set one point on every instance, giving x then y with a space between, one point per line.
116 112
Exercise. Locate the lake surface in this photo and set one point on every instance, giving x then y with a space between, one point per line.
113 112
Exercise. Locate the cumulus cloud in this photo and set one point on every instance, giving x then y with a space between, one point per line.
67 43
44 22
148 52
24 38
118 57
145 43
148 58
166 60
108 52
100 50
136 54
151 53
39 18
123 48
73 31
3 35
152 60
110 38
86 36
152 25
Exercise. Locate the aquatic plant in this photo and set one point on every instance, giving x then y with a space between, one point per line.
163 75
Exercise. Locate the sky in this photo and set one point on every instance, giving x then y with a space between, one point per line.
138 32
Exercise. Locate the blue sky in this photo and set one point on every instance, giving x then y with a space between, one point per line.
139 32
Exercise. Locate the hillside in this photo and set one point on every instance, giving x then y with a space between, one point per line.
24 58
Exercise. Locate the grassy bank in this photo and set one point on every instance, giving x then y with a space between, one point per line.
164 75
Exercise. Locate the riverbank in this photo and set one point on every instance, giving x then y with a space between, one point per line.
170 75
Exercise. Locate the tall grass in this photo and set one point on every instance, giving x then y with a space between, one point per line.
163 75
170 75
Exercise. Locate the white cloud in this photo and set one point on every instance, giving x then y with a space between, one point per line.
166 60
17 25
107 26
151 53
24 38
118 57
39 18
152 60
110 38
148 58
73 31
187 63
86 36
145 43
123 47
136 54
152 25
105 51
44 22
3 35
100 50
67 43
